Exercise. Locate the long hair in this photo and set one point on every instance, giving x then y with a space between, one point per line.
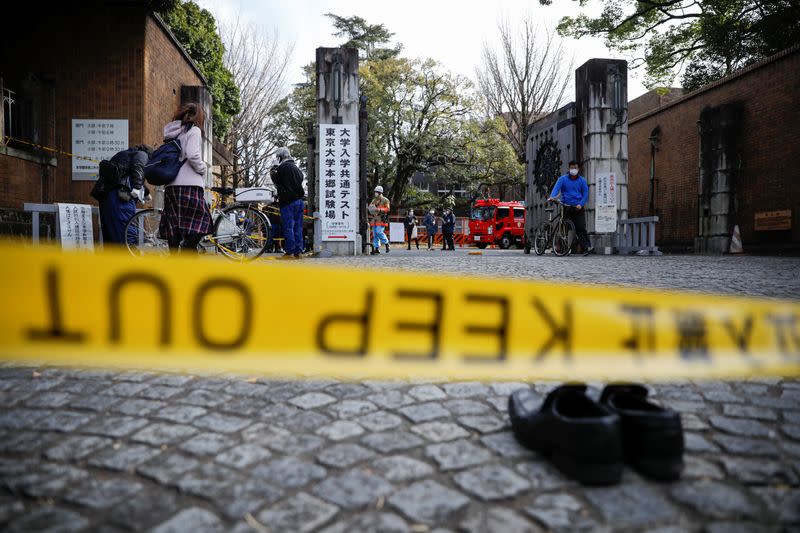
190 113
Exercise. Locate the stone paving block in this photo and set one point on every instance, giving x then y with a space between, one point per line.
692 422
466 407
95 402
244 406
348 409
114 426
466 389
221 423
171 380
542 476
759 471
208 443
191 519
124 457
500 404
561 512
263 433
347 390
457 454
715 500
783 503
168 467
399 468
75 447
208 480
63 421
747 446
424 412
102 493
301 513
344 455
10 509
391 441
505 445
251 390
83 387
694 442
50 399
793 417
137 406
124 389
353 489
773 402
631 505
379 421
312 400
740 426
39 384
340 430
180 414
791 448
369 522
505 388
243 456
136 377
19 418
295 443
737 527
491 482
289 472
440 431
27 442
303 421
45 480
484 423
791 430
428 502
697 408
144 509
205 398
483 519
723 396
697 468
160 433
50 520
426 393
160 392
391 399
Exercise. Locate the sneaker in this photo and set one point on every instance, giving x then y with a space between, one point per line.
581 437
590 251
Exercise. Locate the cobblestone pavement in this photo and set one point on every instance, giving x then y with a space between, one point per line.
112 451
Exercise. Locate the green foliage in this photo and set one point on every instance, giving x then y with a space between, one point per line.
196 30
367 38
707 39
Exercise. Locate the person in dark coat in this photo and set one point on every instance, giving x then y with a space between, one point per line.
410 222
430 227
448 228
118 187
288 180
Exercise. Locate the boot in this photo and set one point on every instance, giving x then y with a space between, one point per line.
387 247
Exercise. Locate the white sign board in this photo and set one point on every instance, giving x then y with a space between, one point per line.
397 232
338 181
96 139
605 204
75 226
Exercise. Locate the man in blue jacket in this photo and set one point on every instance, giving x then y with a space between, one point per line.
574 194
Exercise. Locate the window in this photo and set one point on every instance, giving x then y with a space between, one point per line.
502 212
519 212
17 118
483 213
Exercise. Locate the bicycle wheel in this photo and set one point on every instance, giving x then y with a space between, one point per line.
141 234
241 233
541 239
563 238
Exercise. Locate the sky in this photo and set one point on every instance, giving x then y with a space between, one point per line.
448 31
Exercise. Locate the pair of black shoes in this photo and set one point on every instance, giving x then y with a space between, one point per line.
589 441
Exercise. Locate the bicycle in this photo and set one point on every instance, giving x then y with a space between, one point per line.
557 233
241 232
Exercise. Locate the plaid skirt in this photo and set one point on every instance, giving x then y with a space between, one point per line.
185 213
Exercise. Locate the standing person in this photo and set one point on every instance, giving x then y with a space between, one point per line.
288 179
574 194
430 227
119 184
448 228
186 218
378 210
410 223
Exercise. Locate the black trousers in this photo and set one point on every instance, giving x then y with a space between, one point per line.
409 233
578 217
448 241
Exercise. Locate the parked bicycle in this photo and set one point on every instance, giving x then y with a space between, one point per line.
557 233
241 232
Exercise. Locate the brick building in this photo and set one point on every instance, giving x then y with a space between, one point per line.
723 155
84 60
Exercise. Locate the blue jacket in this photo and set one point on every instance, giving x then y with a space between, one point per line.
430 223
449 223
573 191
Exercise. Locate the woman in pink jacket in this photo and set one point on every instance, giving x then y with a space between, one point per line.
186 218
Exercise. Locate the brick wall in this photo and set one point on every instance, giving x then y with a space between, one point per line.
770 173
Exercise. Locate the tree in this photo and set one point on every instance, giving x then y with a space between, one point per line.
196 30
706 38
367 38
526 79
257 62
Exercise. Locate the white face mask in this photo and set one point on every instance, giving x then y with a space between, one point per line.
573 172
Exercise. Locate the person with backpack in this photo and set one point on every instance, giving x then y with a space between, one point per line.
186 218
120 183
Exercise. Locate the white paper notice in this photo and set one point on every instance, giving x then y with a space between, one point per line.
75 226
605 210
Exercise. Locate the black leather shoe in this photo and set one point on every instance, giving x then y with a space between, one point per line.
652 437
578 435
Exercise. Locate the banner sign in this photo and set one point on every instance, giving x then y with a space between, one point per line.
338 181
605 204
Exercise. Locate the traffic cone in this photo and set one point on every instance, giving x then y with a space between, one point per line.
736 242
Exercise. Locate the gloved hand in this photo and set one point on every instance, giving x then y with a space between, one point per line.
138 194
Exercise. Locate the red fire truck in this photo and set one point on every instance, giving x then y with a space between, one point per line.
496 222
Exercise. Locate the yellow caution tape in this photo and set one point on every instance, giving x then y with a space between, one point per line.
49 149
193 313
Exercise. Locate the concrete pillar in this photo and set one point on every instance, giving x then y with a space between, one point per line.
601 89
327 113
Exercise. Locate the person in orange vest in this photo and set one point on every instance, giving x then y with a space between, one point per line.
378 210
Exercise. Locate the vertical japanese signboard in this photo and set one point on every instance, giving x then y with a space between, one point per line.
605 205
75 226
96 139
338 181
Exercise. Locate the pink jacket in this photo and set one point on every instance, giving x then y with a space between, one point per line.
193 171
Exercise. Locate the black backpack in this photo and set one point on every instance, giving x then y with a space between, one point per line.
164 164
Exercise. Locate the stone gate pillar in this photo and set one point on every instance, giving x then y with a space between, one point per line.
601 90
